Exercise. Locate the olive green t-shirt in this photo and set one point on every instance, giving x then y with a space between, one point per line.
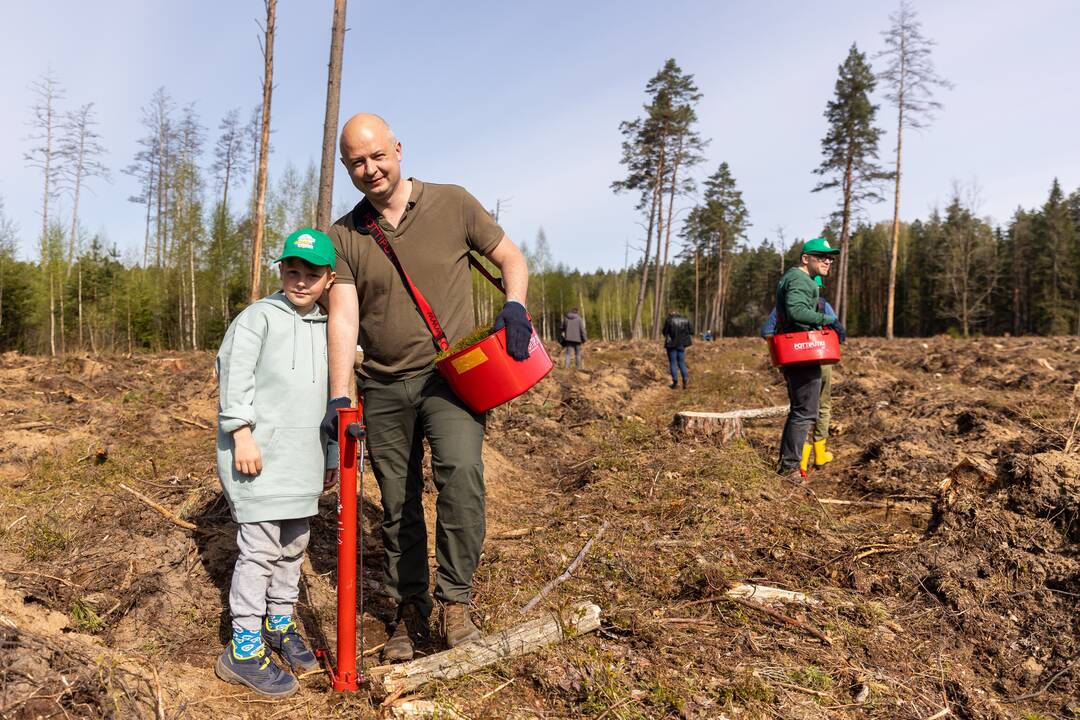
441 224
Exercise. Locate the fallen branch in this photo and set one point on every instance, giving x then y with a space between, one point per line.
567 573
186 421
515 534
34 425
165 512
390 680
785 619
765 593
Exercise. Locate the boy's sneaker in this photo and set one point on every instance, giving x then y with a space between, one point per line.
258 672
292 648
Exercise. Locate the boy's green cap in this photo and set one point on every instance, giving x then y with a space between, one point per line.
311 245
818 246
819 281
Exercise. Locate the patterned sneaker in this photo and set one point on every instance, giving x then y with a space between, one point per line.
258 672
292 648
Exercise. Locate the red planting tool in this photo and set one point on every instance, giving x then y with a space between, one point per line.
346 677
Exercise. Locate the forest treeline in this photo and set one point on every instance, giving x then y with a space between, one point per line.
212 229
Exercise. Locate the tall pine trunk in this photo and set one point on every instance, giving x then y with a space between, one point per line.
635 328
895 251
330 121
845 229
264 145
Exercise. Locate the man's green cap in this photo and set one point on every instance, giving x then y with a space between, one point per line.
819 246
311 245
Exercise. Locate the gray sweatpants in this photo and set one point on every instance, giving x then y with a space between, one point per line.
266 578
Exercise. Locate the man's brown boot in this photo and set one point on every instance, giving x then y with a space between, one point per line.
457 627
410 627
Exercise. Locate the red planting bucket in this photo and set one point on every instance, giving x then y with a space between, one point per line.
483 375
815 347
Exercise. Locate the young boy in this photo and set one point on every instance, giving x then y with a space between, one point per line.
271 458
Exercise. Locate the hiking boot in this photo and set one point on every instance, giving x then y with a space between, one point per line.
257 672
410 627
457 627
684 384
292 648
793 475
674 384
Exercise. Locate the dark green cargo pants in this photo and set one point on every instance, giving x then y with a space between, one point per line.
399 415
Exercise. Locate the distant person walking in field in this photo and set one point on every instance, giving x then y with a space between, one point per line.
272 461
572 335
678 335
797 311
430 230
824 416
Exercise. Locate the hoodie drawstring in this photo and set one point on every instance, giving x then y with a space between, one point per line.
295 319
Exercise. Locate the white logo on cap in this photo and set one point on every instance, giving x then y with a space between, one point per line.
305 242
827 244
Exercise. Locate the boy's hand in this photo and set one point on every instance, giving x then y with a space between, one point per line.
247 458
330 480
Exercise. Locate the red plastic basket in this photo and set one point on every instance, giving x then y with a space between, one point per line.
483 375
814 347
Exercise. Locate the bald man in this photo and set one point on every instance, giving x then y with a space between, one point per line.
431 228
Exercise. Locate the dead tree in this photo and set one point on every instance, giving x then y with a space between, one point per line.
45 121
330 123
264 150
910 75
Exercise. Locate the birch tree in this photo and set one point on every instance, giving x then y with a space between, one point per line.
911 78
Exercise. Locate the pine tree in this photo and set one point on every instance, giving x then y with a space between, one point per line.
1055 271
712 229
850 150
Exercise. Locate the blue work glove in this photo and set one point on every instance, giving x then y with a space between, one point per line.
329 423
829 320
840 331
518 329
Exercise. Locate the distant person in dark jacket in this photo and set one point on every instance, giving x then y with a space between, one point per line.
572 336
678 335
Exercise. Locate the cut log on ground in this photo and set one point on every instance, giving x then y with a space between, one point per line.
725 425
471 656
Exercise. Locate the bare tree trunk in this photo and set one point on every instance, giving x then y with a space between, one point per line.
194 314
63 327
264 146
52 316
895 252
80 309
845 229
330 123
661 285
658 275
635 328
697 291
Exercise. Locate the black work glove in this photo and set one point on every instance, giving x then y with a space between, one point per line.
518 329
329 423
840 331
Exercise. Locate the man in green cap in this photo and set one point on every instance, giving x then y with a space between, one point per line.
797 309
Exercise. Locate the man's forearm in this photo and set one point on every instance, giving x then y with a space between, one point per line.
343 327
514 268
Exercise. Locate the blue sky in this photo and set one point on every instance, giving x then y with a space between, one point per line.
522 101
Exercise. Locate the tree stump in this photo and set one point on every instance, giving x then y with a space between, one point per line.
725 425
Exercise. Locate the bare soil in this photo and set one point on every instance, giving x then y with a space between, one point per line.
942 545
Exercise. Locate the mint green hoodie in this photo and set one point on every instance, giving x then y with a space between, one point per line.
272 376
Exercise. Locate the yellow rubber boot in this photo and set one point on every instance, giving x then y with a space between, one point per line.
804 464
821 455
